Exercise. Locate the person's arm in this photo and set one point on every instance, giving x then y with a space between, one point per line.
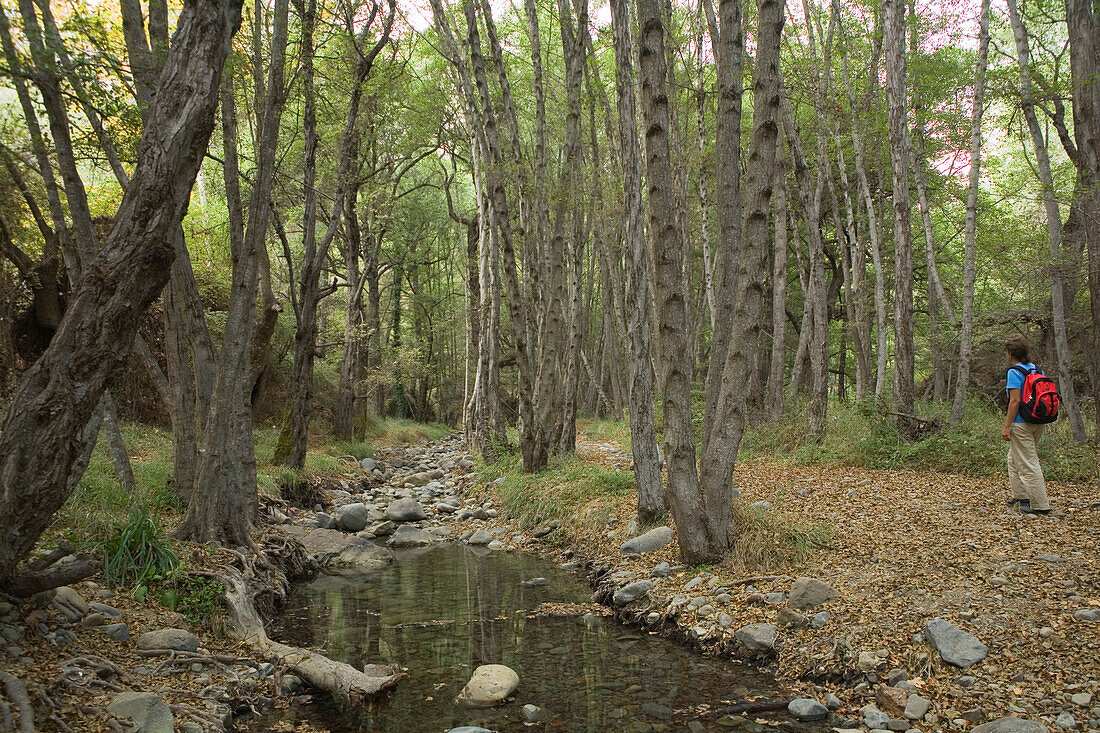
1013 408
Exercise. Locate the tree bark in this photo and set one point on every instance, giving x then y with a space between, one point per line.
893 22
647 470
966 333
44 435
779 293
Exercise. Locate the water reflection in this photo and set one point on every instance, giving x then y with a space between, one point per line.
443 610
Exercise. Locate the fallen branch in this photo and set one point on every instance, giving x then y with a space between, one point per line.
16 691
755 706
41 563
35 581
341 680
754 579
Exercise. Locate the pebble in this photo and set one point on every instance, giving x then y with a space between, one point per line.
661 570
1065 721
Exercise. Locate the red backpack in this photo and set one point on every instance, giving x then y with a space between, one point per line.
1039 400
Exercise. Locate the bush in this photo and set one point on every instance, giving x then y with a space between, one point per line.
195 596
138 552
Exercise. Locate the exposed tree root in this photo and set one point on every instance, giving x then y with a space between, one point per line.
252 580
16 692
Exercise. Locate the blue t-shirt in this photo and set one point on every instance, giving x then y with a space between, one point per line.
1016 381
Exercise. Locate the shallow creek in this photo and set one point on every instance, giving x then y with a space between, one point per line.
441 611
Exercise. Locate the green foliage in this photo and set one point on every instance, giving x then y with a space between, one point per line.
567 484
860 435
138 553
194 595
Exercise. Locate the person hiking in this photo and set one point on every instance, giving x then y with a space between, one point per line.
1025 475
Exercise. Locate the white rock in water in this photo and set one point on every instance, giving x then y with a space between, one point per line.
490 685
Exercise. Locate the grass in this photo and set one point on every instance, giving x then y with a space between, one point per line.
858 435
584 495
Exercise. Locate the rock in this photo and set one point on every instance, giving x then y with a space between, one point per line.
891 699
418 479
383 529
534 582
820 619
489 686
661 570
761 506
144 708
790 618
809 593
1010 725
875 719
897 724
974 715
405 510
1081 698
693 583
1065 721
351 517
469 729
496 545
807 709
443 507
955 646
757 637
118 632
631 592
407 536
480 537
868 661
368 464
1087 614
832 702
725 620
359 557
191 727
324 521
917 707
652 540
290 684
70 604
175 639
61 637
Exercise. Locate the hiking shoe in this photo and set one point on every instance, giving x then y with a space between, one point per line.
1014 501
1028 510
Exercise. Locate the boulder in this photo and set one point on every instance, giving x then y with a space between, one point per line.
631 592
359 557
70 604
480 537
351 517
145 709
807 709
407 536
809 593
1010 725
490 685
757 637
405 510
325 521
418 479
175 639
383 529
955 646
652 540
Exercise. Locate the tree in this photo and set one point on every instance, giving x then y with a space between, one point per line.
42 445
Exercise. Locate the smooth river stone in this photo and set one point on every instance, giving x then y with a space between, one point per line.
490 685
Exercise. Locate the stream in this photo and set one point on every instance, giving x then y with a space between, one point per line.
440 611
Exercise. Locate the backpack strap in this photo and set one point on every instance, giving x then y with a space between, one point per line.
1024 370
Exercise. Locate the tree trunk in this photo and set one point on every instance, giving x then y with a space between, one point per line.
779 293
647 470
1054 228
673 372
893 22
1084 46
966 334
44 436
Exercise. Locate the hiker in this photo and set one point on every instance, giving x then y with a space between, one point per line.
1025 475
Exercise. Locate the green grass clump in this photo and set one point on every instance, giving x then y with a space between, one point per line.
194 595
858 434
567 485
138 552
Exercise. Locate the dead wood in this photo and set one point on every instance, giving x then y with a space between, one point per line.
41 563
35 581
16 691
755 706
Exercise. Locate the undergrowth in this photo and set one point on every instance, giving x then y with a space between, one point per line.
137 552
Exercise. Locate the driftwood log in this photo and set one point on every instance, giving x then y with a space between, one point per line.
15 691
341 680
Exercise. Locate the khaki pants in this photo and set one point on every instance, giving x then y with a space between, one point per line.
1025 475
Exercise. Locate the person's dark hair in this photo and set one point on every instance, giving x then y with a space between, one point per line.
1018 348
